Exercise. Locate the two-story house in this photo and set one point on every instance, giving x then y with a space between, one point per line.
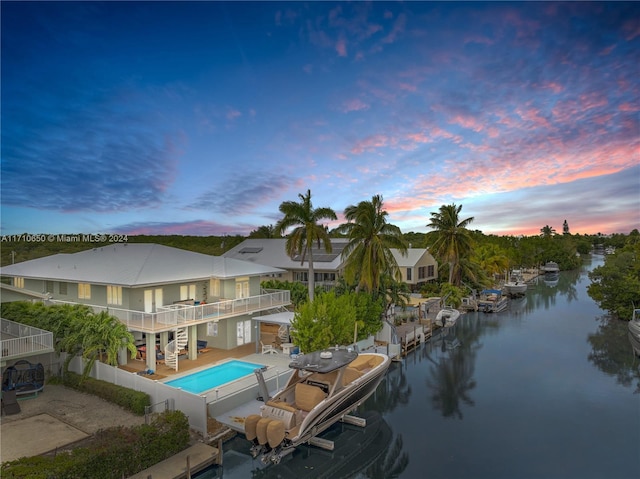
166 296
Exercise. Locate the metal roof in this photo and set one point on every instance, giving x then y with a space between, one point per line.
272 251
135 264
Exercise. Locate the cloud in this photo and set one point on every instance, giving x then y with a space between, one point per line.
244 193
96 153
355 104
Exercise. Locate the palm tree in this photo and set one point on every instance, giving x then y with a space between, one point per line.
450 239
307 230
368 253
547 231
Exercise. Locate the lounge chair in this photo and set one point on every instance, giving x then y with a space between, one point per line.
10 402
268 349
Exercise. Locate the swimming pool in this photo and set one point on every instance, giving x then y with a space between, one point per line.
214 376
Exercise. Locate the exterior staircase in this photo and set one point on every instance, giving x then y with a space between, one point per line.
174 347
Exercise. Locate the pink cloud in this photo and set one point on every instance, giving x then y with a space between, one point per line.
354 105
341 47
629 107
232 114
631 28
398 28
371 143
532 115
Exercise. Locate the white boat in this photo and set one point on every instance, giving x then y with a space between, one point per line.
634 331
324 387
551 267
516 285
447 317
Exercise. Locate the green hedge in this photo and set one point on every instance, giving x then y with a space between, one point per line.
134 401
113 452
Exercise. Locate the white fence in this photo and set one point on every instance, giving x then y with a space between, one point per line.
192 405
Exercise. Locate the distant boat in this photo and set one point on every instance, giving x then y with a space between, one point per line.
447 317
492 301
516 285
551 267
634 331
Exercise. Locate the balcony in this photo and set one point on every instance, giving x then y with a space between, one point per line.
21 341
170 317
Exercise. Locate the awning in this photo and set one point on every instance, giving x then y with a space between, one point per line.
278 318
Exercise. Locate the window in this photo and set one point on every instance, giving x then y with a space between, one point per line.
84 291
48 287
114 295
242 288
62 288
18 282
409 274
430 271
214 288
212 329
187 291
422 272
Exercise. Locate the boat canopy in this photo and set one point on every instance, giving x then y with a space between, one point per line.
324 361
492 291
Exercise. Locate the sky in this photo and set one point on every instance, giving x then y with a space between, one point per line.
201 118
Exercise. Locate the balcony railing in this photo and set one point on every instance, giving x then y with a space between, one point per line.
19 340
173 316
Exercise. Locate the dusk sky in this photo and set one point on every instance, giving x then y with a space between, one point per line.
202 118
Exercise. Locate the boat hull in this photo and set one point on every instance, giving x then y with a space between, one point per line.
515 289
634 332
447 317
321 391
338 407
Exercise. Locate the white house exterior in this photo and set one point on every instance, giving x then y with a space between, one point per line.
158 290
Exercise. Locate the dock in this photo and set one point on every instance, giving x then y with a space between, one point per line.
182 465
413 334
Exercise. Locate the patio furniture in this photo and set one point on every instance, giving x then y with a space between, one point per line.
268 349
10 402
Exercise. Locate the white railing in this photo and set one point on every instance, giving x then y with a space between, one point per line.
180 315
20 340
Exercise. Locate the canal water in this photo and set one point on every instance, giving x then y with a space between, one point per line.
549 388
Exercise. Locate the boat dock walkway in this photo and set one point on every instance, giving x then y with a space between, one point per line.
190 461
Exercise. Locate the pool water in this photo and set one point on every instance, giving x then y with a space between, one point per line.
214 376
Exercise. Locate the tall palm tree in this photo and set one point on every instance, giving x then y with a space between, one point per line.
305 219
368 253
450 239
547 231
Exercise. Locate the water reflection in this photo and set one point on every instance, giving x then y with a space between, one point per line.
611 355
372 451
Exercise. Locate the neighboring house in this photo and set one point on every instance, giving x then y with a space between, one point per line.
272 252
417 267
159 292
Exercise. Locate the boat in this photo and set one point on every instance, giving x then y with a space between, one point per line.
356 449
447 317
516 285
492 301
634 331
551 267
324 387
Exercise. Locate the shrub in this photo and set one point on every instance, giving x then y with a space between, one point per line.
129 399
113 452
